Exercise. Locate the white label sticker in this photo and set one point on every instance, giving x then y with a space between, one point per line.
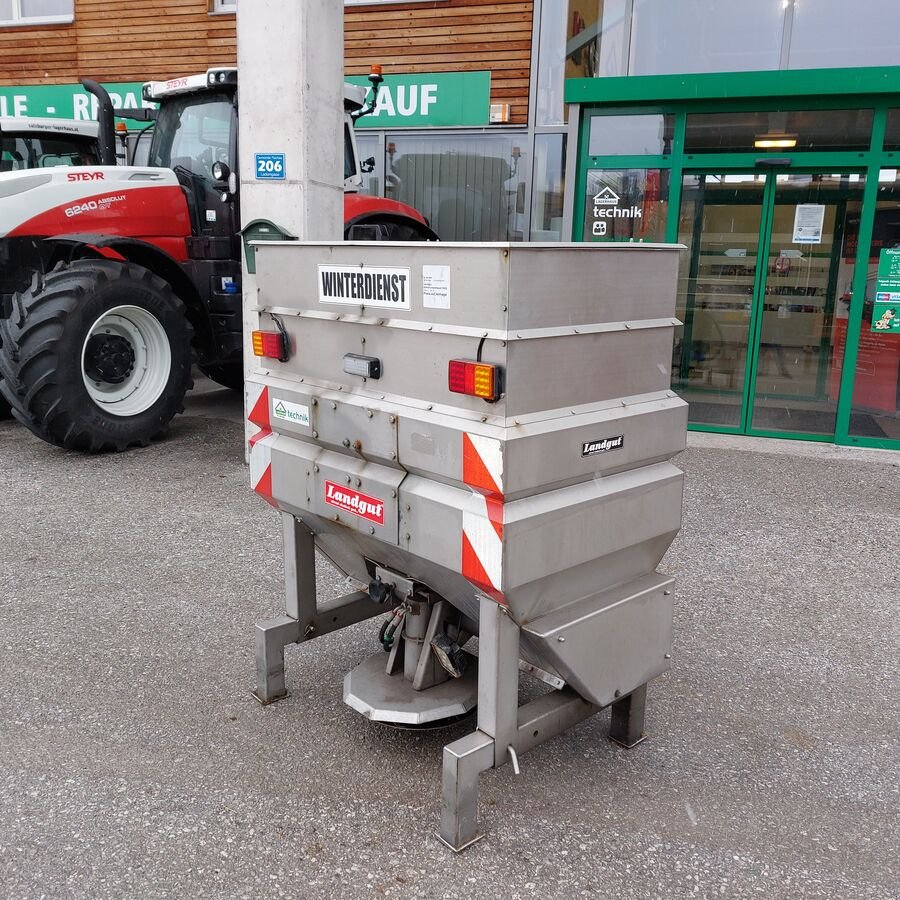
290 412
436 287
809 221
384 286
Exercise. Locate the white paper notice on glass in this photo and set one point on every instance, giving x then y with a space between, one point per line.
436 287
809 221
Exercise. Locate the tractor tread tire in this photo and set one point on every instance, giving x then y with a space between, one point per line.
38 376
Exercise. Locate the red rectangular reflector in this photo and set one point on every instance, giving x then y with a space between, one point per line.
270 344
474 378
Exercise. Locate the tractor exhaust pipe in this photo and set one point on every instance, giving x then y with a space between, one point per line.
107 120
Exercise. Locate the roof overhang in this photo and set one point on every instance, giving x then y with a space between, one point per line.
661 89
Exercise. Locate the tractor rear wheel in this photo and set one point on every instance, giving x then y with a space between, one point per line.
96 356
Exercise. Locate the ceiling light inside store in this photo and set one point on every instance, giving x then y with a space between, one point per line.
775 141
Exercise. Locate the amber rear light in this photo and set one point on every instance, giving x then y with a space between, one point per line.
474 378
271 345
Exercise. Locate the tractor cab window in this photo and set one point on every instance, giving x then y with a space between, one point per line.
23 151
193 132
349 154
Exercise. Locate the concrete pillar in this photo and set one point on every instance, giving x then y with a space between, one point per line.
291 96
291 100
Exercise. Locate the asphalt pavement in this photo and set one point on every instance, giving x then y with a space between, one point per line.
135 763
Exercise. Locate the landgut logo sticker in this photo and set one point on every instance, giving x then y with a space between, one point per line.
291 412
383 286
604 445
355 503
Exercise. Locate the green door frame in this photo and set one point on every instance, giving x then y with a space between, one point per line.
869 88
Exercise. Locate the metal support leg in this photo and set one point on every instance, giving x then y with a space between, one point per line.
271 637
299 600
627 723
299 568
498 677
498 725
464 760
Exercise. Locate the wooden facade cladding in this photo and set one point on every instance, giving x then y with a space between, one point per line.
452 36
123 40
119 40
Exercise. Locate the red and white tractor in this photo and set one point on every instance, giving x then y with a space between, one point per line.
114 280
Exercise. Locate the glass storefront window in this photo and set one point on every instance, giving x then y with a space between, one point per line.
876 386
596 38
551 73
631 135
470 187
774 132
705 36
831 34
549 187
626 205
892 130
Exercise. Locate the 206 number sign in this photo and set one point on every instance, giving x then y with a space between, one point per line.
270 166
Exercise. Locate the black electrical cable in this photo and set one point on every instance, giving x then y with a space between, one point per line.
381 634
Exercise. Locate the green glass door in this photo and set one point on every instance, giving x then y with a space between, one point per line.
721 219
771 255
808 265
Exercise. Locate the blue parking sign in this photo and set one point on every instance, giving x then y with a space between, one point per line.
270 166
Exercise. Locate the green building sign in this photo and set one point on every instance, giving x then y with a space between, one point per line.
886 313
64 101
424 100
430 100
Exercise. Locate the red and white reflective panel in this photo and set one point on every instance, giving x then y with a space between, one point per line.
483 464
482 518
258 405
261 464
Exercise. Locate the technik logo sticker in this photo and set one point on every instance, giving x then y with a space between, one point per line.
604 445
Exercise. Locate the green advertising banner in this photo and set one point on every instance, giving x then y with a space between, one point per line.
430 100
64 101
886 313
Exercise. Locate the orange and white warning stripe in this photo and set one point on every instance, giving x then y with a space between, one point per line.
261 442
482 519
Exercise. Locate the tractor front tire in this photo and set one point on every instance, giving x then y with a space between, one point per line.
96 356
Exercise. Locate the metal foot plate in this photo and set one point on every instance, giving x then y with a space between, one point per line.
262 701
474 840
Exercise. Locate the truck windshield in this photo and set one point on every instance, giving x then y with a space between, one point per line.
193 132
24 151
